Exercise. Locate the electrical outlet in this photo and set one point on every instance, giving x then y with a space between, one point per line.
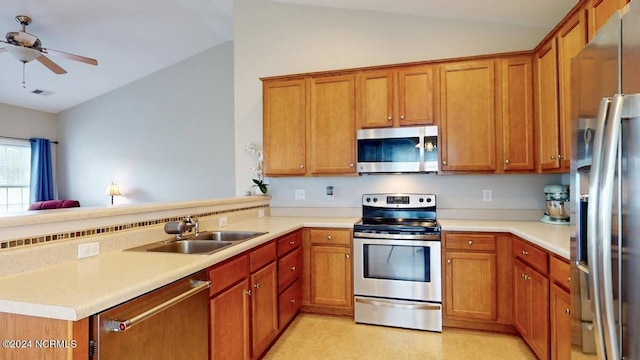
487 195
260 213
88 249
300 194
222 221
329 192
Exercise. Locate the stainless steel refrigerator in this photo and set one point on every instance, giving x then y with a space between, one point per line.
605 192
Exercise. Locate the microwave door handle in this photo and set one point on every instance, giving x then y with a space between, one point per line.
593 225
610 152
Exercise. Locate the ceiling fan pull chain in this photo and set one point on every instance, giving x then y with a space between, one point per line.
23 84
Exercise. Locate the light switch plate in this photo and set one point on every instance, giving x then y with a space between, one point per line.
300 194
487 195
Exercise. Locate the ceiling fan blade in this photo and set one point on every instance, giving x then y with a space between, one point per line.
3 50
51 65
69 56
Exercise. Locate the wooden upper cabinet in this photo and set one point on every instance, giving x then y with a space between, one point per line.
284 127
546 106
600 11
468 116
415 95
332 126
517 114
400 96
375 99
572 38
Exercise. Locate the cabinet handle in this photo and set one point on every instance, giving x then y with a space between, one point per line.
567 311
301 166
401 117
444 163
506 161
351 165
293 268
560 157
293 301
329 237
470 242
554 157
448 261
525 253
292 242
389 118
569 280
257 286
248 292
525 277
348 256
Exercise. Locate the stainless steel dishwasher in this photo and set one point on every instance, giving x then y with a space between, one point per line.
167 323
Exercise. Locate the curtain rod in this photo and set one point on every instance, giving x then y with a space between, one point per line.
17 138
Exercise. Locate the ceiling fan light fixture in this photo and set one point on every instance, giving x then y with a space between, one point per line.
23 54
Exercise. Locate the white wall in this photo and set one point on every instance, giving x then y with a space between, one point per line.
278 39
25 123
166 137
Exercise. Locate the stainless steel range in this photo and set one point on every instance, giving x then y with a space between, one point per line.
397 273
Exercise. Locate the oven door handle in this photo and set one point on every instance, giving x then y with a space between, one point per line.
399 306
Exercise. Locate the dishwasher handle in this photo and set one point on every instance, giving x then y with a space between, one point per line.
124 325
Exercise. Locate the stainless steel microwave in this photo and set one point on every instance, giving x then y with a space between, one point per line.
398 150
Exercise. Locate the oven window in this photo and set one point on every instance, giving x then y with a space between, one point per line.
389 150
397 262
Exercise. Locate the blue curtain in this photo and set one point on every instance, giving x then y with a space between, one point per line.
41 170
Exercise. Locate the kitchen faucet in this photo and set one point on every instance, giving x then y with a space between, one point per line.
180 227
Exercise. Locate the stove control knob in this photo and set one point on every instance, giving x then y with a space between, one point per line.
368 200
429 200
421 200
375 200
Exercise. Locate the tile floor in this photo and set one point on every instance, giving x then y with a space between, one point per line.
325 337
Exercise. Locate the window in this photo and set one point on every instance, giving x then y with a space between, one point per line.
15 173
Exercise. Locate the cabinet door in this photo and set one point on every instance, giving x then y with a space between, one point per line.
571 39
333 125
284 127
264 308
600 11
331 274
521 300
415 95
470 285
517 114
560 323
374 100
547 118
468 116
229 313
540 313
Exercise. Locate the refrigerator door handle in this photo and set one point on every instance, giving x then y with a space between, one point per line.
610 154
593 223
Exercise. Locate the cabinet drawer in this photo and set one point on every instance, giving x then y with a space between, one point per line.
289 268
289 242
289 303
559 272
224 275
262 256
536 258
330 236
471 242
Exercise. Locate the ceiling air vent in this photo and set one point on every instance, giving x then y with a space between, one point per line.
41 92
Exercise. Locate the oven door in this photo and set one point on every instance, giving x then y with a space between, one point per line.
398 269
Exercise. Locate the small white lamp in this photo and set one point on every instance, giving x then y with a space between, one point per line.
112 190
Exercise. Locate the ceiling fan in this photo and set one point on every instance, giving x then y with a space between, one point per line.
27 47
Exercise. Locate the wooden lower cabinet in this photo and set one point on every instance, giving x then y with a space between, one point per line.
229 312
531 308
264 308
327 271
560 323
477 281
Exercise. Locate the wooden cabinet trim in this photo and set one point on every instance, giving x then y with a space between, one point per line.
228 273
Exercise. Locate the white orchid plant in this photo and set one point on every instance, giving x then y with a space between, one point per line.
257 171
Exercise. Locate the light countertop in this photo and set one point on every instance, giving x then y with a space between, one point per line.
81 288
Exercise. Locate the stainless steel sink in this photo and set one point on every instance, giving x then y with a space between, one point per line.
226 235
205 243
